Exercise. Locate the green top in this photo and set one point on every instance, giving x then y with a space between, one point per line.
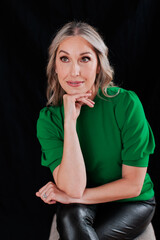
113 133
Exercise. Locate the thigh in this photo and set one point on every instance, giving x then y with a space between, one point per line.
74 221
123 221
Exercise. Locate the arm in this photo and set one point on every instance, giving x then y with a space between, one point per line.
128 186
70 175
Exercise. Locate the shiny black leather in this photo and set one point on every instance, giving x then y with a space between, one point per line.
107 221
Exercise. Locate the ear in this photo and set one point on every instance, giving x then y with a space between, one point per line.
55 69
98 68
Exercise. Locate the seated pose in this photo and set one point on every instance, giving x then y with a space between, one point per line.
96 141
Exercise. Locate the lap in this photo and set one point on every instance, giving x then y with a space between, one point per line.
123 220
115 220
74 221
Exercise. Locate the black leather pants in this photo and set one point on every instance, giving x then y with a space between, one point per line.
107 221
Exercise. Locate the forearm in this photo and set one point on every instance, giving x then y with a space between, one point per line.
120 189
71 177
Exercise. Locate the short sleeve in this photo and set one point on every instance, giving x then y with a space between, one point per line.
136 134
49 134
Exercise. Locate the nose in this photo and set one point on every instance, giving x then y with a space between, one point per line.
75 70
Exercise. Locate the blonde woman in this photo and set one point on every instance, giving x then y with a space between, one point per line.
96 141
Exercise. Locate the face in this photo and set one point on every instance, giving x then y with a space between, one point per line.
76 65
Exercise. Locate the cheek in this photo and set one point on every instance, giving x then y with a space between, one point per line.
62 71
90 71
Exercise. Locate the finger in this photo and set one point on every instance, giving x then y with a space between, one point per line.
79 104
42 189
81 95
52 202
50 198
85 102
46 192
45 187
37 194
88 102
80 98
50 191
42 192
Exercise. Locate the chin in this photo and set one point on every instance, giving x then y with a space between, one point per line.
76 91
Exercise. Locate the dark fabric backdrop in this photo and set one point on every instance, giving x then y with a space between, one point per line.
130 29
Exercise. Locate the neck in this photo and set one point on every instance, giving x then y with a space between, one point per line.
94 92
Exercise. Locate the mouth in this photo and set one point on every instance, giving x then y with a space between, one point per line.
75 83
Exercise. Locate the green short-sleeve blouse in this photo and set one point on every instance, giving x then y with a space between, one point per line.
113 133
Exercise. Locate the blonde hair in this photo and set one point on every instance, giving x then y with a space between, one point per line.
104 77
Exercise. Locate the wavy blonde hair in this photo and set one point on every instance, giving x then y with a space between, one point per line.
104 77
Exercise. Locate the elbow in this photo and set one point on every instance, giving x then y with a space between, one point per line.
75 191
136 191
71 191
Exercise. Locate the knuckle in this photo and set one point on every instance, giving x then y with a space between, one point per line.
52 194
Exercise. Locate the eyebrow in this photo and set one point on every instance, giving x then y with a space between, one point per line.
80 53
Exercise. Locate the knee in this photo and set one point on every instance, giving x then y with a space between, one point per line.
75 220
69 214
73 214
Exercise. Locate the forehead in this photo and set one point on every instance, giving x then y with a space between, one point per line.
77 43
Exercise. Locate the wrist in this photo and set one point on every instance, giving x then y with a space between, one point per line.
69 123
79 200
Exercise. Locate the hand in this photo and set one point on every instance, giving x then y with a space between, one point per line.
50 194
73 104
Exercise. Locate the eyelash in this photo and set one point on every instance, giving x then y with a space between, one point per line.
87 58
61 58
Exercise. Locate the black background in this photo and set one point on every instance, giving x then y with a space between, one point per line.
130 30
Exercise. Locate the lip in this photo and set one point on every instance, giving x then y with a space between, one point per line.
75 83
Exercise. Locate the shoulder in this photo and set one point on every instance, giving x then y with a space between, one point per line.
127 106
129 100
49 113
50 118
117 94
123 98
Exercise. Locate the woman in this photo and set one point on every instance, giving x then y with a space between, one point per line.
96 141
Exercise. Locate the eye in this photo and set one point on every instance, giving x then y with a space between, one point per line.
85 59
64 59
